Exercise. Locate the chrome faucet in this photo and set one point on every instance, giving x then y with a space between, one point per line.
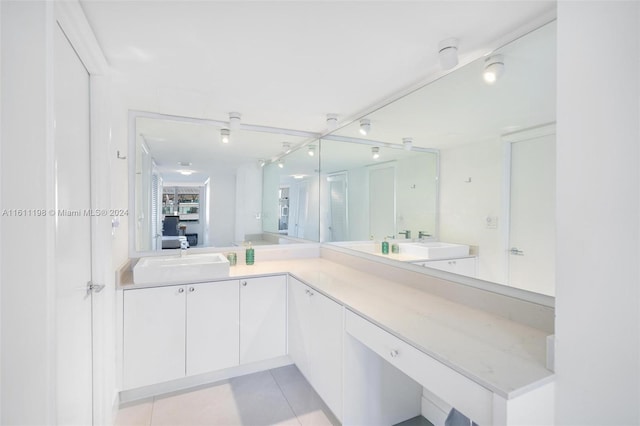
407 234
422 234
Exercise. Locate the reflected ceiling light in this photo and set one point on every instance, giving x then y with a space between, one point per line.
184 163
261 162
225 135
375 152
186 172
493 68
297 176
234 120
311 151
407 144
365 126
448 53
286 146
281 164
332 122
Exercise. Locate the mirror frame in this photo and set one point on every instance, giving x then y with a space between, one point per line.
131 175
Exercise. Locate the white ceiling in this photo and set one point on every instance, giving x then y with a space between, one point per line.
289 63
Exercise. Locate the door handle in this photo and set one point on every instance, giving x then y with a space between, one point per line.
94 288
514 251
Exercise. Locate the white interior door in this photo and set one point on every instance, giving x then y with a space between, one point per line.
73 237
531 249
339 228
382 204
302 208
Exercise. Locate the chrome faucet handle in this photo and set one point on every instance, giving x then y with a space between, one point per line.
422 234
407 234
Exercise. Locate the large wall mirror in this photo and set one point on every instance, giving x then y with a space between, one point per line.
496 154
190 185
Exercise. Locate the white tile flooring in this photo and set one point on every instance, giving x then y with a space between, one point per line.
281 396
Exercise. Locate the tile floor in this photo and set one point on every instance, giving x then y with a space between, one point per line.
281 396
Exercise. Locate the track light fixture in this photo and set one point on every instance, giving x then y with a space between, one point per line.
448 53
493 68
281 164
332 122
375 152
365 126
225 135
234 120
311 151
407 144
286 147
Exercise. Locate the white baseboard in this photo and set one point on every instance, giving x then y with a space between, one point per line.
185 383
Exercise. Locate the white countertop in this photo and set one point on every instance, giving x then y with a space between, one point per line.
504 356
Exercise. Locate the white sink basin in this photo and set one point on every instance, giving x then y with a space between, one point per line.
434 250
177 269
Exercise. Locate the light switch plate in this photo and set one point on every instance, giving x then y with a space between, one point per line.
492 222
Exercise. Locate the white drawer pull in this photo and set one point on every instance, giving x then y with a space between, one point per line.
394 353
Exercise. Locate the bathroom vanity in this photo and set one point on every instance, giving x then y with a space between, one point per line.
372 339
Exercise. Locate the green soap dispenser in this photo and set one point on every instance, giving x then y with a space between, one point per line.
249 255
385 246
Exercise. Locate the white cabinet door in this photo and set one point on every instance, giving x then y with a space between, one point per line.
213 311
263 318
154 335
299 326
463 266
315 341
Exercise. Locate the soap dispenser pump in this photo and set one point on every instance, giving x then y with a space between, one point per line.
385 246
249 255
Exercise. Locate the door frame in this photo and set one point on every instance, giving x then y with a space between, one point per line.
73 22
508 140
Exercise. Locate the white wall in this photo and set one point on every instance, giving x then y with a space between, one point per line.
464 206
416 194
26 371
598 188
222 202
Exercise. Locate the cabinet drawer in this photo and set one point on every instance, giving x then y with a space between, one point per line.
467 396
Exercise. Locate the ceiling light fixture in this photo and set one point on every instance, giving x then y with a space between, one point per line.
184 163
375 152
297 176
234 120
332 122
311 151
493 68
365 126
186 172
261 162
448 53
286 146
407 144
281 164
225 135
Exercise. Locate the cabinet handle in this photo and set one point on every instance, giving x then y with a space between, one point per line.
181 290
191 289
394 353
244 283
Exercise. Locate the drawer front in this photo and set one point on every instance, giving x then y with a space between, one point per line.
473 400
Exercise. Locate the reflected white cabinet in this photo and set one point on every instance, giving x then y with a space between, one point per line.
154 335
463 266
212 314
176 331
263 318
315 341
